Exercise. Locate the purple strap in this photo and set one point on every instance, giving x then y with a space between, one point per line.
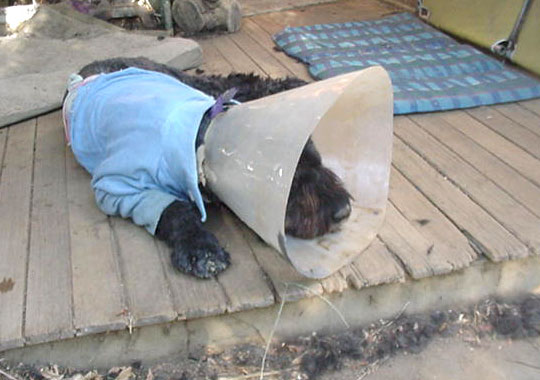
221 101
81 6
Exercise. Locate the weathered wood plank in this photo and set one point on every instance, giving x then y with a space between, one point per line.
520 188
532 105
411 247
15 192
501 206
192 297
265 6
262 37
520 115
349 10
353 278
514 132
213 60
376 265
481 229
451 249
275 22
98 298
266 61
244 281
148 295
365 10
3 141
239 60
268 24
49 292
335 283
498 145
279 271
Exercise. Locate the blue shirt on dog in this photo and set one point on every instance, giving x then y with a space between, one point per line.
134 131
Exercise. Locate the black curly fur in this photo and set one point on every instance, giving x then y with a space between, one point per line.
318 202
250 86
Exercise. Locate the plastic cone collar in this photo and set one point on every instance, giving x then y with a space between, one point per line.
252 151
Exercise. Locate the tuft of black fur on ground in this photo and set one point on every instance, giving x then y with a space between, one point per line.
413 333
515 320
310 357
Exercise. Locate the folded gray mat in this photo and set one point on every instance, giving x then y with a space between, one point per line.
57 41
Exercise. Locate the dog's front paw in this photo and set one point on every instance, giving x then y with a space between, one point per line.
200 255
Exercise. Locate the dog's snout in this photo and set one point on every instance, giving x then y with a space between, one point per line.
342 213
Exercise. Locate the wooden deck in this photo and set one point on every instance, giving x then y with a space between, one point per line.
465 185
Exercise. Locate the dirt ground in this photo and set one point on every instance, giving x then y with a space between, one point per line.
491 340
454 359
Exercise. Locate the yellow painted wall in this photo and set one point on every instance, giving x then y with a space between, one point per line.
485 22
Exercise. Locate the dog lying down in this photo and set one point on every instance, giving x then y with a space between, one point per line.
134 125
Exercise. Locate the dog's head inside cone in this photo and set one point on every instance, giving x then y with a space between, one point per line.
253 151
318 201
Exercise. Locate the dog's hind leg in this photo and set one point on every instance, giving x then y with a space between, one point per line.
194 250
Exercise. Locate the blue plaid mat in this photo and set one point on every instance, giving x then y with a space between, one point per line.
430 71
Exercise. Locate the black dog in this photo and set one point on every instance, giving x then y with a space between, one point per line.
318 201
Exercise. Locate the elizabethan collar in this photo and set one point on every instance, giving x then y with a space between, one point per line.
252 150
